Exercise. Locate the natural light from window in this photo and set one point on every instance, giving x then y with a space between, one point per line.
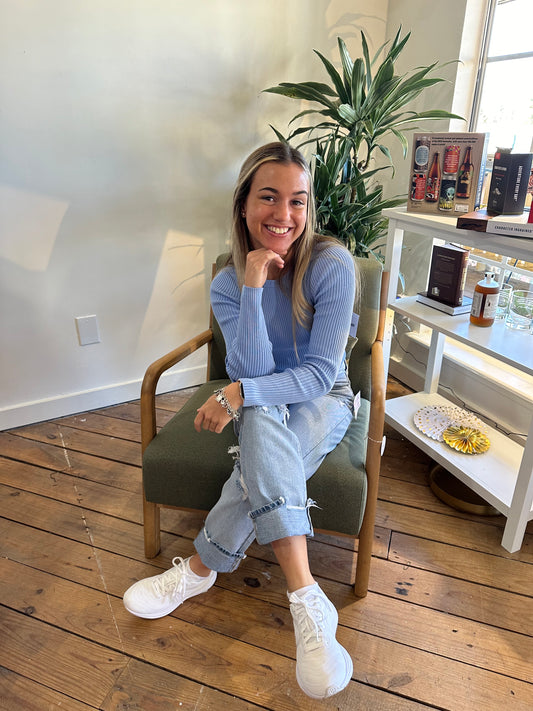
506 106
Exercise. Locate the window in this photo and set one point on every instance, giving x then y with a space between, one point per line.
503 103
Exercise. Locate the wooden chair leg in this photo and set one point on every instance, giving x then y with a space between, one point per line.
152 529
366 542
364 555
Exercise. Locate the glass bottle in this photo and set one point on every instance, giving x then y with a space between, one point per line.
420 168
449 178
485 301
464 179
433 181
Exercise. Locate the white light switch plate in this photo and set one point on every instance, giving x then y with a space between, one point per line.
87 330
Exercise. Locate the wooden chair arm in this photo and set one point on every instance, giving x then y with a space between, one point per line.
378 388
377 411
151 378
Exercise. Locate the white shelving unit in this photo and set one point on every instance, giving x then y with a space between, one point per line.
503 476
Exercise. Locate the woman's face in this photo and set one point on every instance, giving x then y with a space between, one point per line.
276 206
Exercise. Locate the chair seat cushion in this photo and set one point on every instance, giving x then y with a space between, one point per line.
339 486
187 469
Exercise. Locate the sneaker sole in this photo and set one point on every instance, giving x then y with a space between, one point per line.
150 616
342 686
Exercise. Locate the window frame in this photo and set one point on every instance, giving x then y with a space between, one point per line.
505 266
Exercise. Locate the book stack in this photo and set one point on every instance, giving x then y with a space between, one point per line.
508 225
464 308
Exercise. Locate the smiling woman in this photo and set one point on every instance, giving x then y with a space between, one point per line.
289 401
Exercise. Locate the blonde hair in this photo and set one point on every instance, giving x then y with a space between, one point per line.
301 250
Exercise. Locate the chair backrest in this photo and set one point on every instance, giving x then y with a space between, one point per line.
216 368
370 271
359 364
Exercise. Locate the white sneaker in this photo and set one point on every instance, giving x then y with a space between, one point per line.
161 594
323 666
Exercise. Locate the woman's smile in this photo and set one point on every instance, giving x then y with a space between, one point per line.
278 230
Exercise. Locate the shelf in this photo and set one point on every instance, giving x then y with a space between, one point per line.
445 228
492 475
510 346
503 476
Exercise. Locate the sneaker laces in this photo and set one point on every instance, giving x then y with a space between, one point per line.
172 582
309 613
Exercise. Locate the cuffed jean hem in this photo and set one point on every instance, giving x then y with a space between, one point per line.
217 557
279 520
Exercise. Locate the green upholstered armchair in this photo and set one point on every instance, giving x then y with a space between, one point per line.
186 469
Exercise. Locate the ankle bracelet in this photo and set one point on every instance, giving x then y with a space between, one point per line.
223 400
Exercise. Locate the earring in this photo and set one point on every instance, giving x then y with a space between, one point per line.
243 213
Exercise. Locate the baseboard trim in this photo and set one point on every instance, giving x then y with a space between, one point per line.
71 403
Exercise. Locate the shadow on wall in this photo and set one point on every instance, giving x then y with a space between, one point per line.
180 290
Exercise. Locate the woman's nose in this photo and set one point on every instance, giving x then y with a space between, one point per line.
282 210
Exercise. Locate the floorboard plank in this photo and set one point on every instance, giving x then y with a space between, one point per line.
132 411
69 438
57 459
80 668
475 535
493 571
101 424
73 490
18 693
471 600
143 687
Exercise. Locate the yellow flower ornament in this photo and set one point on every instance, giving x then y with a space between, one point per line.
466 439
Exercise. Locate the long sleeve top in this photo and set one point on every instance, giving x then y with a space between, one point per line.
257 327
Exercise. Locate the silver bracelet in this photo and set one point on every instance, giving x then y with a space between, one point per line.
223 400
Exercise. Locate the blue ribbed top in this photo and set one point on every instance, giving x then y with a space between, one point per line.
257 328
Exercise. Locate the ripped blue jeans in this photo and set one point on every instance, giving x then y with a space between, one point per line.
265 498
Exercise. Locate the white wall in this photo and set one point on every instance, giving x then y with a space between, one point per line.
123 124
436 35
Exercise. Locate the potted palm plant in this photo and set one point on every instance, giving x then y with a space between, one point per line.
364 104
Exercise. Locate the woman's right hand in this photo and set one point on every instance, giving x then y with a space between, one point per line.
262 264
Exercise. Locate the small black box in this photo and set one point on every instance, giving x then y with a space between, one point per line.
508 186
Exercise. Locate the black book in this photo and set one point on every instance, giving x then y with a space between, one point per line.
447 274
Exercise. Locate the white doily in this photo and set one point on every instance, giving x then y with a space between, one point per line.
433 420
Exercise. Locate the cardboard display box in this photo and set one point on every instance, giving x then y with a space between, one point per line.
447 171
509 183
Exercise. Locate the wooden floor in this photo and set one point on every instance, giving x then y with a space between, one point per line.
447 624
